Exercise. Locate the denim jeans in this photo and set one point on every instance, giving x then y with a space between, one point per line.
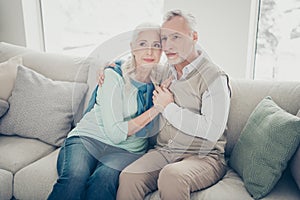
89 169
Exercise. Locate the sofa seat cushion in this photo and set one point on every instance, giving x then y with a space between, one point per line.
37 179
6 184
231 187
17 152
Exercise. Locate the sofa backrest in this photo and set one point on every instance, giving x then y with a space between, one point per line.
246 94
54 66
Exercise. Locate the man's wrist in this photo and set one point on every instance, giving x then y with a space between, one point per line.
158 108
169 110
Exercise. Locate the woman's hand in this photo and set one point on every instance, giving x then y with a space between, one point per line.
162 96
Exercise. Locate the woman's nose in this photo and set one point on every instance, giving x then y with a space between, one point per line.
149 50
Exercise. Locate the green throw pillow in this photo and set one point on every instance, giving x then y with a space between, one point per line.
267 142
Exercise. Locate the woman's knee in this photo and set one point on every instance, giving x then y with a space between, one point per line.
75 173
105 175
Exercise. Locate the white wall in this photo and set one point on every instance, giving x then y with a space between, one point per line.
226 29
223 29
11 22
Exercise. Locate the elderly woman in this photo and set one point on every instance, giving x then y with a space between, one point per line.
112 134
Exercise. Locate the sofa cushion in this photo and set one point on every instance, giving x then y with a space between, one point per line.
231 187
295 163
37 179
70 68
3 107
267 142
285 93
8 72
295 167
73 69
17 152
6 184
8 51
42 108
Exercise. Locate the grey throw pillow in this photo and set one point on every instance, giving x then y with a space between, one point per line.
3 107
42 108
267 142
295 164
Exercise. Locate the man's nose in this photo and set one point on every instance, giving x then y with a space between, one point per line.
167 45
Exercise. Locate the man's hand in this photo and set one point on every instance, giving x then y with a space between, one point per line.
101 76
166 83
162 97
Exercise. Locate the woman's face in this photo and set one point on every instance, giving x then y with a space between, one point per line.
147 48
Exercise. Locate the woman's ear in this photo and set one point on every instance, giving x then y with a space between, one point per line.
131 47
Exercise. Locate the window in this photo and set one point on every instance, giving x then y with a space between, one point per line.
278 40
77 27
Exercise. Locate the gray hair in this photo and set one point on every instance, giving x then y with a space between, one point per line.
129 65
144 27
190 19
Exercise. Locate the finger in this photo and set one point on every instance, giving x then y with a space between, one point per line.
166 90
159 89
155 86
113 64
101 81
168 82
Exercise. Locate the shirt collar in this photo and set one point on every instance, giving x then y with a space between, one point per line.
187 69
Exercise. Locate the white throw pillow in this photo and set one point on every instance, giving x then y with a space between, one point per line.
8 73
3 107
42 108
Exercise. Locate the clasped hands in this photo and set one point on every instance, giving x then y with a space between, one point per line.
162 96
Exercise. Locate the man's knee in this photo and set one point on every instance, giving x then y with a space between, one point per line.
129 179
139 184
172 185
169 177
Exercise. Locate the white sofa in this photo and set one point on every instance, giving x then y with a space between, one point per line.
28 166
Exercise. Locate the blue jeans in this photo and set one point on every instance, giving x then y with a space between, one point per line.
89 169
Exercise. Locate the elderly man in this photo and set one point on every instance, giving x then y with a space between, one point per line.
189 154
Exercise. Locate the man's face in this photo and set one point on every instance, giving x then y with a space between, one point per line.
178 40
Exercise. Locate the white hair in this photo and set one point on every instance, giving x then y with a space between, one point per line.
190 19
129 65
